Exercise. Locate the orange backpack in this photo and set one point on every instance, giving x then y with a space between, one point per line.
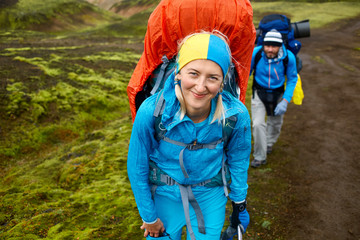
172 20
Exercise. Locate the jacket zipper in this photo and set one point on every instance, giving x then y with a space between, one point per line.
269 75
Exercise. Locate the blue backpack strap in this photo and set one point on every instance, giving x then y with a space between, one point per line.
160 77
285 62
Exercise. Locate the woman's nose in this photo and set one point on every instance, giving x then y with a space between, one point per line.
201 85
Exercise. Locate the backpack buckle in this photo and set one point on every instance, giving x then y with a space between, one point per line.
167 180
194 146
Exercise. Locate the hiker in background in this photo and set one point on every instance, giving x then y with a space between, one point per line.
181 151
270 62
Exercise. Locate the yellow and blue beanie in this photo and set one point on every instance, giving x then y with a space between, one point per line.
204 46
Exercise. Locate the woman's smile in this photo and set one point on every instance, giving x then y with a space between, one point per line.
198 95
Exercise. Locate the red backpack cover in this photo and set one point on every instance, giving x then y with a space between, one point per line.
172 20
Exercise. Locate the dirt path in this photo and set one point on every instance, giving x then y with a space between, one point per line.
324 136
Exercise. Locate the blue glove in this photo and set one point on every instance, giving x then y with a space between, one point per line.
244 219
281 107
240 215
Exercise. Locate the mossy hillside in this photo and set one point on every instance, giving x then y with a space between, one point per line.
319 14
133 27
32 13
126 4
65 128
85 93
79 190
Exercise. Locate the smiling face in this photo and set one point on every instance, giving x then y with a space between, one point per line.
200 82
271 51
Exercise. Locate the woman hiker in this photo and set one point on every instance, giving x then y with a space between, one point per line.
185 142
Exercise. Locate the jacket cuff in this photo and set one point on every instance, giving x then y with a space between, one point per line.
150 222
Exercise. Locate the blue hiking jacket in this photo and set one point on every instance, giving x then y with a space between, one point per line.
201 165
270 73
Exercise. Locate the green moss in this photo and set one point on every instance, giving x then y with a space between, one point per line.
134 26
348 67
125 57
14 51
93 78
266 224
132 3
318 59
18 49
101 205
17 99
41 64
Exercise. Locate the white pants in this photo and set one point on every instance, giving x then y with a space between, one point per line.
265 133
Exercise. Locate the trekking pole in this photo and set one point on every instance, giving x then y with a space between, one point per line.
230 232
239 232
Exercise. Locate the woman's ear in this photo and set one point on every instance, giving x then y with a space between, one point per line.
221 87
178 76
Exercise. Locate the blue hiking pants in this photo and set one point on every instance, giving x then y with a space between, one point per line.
212 204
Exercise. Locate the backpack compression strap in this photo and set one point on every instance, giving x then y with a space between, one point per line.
160 77
256 61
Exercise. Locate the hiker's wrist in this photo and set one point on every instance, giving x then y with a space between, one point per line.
239 206
151 222
239 214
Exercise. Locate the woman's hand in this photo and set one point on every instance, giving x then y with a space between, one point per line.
154 230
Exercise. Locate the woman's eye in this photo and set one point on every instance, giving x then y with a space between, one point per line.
212 78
